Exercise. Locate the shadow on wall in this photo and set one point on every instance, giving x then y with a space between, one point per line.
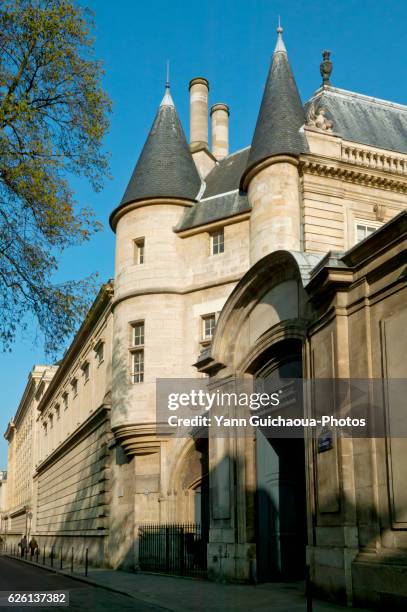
98 516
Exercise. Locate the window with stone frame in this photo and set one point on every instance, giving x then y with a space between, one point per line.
364 229
86 371
208 326
100 352
139 251
65 400
137 339
138 366
74 385
217 240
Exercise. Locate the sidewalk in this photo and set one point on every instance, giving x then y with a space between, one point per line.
193 595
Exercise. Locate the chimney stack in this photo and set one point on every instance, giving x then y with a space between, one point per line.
220 130
198 96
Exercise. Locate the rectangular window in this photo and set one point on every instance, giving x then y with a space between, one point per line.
139 257
65 400
208 326
85 371
57 412
100 352
137 351
51 421
74 385
363 231
138 366
217 242
138 334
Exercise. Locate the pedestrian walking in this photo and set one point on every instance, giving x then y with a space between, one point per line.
33 546
23 545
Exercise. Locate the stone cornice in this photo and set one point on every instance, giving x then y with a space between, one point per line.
269 161
123 209
10 430
170 290
351 171
100 306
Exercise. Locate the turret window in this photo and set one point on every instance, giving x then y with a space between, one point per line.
217 242
137 352
138 367
138 334
139 256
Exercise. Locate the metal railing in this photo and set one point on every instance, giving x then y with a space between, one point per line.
172 549
50 556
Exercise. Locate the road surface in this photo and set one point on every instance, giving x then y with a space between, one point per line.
18 576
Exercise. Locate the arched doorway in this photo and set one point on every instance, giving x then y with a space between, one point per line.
280 471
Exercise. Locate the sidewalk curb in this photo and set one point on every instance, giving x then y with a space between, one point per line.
139 596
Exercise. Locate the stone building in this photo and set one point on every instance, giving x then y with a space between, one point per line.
3 501
285 256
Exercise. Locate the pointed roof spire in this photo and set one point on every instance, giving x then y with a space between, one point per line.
167 99
280 46
281 114
165 167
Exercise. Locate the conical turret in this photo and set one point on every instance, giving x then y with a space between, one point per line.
271 175
281 114
165 167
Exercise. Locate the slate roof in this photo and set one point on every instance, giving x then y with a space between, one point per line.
214 209
226 175
221 198
363 119
281 113
165 167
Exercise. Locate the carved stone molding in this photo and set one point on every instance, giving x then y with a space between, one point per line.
138 439
328 168
361 156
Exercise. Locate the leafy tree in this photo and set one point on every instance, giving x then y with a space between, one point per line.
53 117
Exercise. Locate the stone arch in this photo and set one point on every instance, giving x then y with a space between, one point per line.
268 304
188 481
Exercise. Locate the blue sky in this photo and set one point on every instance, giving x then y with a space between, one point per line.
230 43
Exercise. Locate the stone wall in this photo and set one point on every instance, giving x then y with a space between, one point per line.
72 493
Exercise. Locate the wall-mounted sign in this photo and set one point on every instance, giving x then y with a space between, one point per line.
325 440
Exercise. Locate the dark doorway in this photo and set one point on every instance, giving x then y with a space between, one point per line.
280 464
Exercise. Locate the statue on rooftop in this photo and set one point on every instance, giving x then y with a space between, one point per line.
326 67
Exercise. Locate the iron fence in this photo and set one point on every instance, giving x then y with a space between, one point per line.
172 549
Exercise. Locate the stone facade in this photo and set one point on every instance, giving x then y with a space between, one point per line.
266 250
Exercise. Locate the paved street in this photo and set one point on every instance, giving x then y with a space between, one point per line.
148 592
15 575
